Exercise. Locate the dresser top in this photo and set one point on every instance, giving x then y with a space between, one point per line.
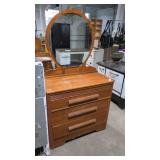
57 84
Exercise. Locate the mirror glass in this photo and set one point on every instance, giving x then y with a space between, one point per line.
70 40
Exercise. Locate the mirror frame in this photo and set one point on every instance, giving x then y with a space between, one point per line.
48 29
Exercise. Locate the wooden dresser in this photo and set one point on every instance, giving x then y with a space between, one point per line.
77 105
78 97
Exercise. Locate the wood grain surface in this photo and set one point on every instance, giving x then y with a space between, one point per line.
56 84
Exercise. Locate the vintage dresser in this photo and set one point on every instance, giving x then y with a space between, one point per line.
77 105
78 97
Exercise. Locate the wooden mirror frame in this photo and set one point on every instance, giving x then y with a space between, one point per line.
47 36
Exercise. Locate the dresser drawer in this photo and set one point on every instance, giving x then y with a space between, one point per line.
76 125
58 102
78 111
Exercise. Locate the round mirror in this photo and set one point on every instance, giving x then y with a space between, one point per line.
69 38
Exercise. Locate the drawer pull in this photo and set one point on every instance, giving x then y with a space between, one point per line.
80 125
82 112
83 99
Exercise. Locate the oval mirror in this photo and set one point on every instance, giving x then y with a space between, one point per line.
69 38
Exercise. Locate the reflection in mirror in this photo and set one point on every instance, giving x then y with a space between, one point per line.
70 40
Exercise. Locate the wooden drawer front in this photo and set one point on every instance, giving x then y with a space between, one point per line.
79 111
55 105
82 131
56 102
78 124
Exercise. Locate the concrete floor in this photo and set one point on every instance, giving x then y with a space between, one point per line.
109 142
